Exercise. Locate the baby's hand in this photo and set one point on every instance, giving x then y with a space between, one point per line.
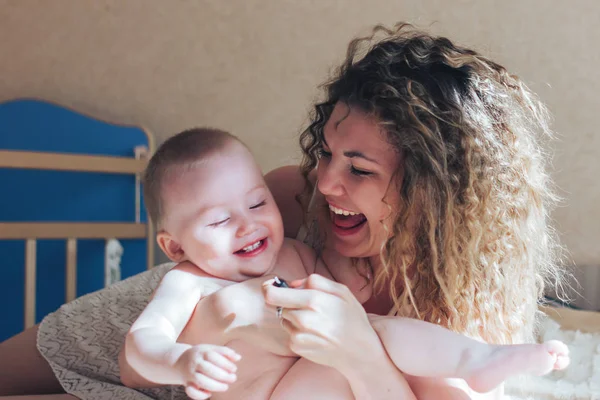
207 368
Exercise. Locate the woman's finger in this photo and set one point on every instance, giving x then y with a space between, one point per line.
301 320
307 345
288 327
322 284
290 298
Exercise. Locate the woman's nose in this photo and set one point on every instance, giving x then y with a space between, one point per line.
328 180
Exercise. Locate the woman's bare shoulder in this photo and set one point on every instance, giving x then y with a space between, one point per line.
286 183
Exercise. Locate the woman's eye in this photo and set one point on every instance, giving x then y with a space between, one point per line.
219 223
359 172
259 205
322 153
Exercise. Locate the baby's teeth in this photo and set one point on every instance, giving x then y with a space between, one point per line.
251 247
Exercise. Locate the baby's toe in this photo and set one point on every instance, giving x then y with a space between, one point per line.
557 348
562 362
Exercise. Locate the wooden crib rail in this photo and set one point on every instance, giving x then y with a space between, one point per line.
32 231
79 230
71 162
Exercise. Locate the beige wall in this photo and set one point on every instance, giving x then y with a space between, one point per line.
252 66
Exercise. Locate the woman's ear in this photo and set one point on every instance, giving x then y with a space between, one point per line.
170 246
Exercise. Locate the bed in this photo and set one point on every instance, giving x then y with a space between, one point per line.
72 218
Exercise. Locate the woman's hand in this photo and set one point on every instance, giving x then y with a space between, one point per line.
326 324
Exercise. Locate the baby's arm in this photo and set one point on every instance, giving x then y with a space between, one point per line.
151 348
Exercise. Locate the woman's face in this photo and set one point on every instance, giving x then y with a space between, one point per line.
354 174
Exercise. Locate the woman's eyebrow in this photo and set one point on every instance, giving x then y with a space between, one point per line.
354 154
358 154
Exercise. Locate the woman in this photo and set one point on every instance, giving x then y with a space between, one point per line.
430 176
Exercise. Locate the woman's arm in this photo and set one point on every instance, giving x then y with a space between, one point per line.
449 389
378 378
315 381
23 370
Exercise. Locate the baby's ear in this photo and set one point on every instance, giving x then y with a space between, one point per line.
170 246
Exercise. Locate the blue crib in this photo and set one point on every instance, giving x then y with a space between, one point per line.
69 185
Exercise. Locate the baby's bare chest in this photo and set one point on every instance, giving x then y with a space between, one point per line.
237 312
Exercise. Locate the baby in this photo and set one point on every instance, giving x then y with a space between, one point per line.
218 220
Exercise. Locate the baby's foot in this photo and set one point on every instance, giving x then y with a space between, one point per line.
505 361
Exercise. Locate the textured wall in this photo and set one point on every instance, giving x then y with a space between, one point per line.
252 66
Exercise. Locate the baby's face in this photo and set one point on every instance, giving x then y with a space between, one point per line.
224 216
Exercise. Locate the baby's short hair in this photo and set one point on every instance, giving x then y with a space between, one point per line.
178 153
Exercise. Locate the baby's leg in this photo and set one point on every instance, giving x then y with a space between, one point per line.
423 349
307 380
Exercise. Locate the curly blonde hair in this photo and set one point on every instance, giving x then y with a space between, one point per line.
470 240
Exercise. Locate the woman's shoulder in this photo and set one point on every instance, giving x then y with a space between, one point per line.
286 183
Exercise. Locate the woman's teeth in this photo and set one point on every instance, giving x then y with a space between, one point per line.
339 211
252 247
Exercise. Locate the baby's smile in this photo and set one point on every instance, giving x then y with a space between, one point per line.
252 249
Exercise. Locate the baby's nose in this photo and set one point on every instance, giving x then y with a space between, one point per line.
247 227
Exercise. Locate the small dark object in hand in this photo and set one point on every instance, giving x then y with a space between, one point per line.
280 283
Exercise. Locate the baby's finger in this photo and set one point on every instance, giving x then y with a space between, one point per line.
212 371
229 353
209 384
196 394
221 361
288 327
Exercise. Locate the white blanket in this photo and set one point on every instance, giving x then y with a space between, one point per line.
581 380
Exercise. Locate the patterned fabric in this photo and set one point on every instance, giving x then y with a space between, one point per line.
82 339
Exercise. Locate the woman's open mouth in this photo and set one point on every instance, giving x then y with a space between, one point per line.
252 249
346 222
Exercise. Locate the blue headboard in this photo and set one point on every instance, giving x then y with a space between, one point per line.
31 195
